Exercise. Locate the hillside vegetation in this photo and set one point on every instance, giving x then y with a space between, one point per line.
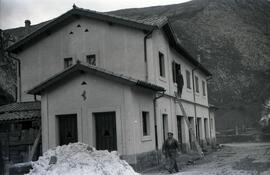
232 39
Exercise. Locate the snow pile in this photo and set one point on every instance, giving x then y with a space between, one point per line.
80 159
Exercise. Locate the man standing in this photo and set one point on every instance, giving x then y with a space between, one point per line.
179 82
169 149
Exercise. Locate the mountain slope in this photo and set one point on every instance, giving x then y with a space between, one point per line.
232 39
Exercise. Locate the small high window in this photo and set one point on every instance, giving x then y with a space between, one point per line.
67 62
161 64
197 84
188 79
204 88
145 123
91 59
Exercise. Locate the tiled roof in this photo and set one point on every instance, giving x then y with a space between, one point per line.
21 106
147 24
118 17
22 115
96 71
154 20
35 34
20 32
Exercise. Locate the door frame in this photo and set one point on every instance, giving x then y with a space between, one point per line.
90 131
181 119
114 118
57 124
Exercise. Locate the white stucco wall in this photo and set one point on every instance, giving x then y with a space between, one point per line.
212 124
166 105
159 43
117 48
102 96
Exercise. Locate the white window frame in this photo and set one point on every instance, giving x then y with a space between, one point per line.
161 64
88 57
197 84
188 79
147 124
68 62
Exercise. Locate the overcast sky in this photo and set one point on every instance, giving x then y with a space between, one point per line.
14 12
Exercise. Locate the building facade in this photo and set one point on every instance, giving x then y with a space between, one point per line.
110 82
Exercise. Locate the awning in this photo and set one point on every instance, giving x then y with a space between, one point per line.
23 115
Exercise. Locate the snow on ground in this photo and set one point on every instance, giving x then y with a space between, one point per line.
81 159
232 159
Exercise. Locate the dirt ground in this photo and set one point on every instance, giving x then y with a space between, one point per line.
231 159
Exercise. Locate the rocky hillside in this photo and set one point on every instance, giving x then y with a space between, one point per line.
232 39
7 73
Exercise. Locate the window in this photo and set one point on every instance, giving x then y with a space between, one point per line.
188 79
91 59
165 126
67 62
204 88
161 65
175 69
197 83
145 123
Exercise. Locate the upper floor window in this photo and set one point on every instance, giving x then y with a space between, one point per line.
197 84
67 62
161 64
188 79
145 123
176 70
204 88
91 59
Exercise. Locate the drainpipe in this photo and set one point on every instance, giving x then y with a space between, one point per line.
19 90
209 120
148 35
155 117
194 100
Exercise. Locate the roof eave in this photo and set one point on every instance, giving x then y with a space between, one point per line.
173 38
37 90
77 12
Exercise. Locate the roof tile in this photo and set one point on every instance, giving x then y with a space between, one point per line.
22 115
21 106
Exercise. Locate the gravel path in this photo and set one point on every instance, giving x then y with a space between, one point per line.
232 159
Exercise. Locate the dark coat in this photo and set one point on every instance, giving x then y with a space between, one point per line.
170 147
179 80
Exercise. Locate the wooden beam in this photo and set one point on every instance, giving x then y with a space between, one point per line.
35 145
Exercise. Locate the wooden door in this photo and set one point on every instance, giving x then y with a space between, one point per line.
105 131
179 129
190 119
198 129
68 132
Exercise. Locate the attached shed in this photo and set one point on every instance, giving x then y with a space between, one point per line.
19 127
107 110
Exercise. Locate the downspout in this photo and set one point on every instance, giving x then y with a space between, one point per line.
194 100
148 35
209 121
155 117
19 90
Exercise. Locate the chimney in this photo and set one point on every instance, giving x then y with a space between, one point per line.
27 26
27 23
